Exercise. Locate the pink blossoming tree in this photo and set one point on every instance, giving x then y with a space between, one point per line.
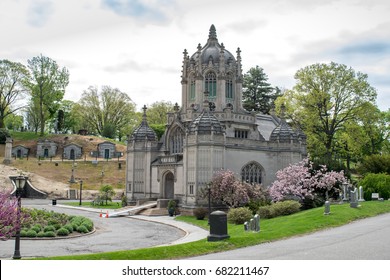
8 215
302 181
227 189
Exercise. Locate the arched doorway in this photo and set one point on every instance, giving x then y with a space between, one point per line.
169 182
72 156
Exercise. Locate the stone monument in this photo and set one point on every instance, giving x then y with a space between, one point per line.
8 151
327 208
218 226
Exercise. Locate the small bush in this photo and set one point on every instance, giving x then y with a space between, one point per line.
82 229
63 232
31 233
41 234
50 234
287 207
49 228
23 233
69 227
239 216
282 208
266 212
88 225
200 213
37 228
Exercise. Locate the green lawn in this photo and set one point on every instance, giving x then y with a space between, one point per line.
273 229
110 205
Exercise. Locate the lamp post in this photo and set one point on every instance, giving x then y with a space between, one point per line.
19 182
209 196
81 190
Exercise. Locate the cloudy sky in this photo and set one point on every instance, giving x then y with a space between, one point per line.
137 45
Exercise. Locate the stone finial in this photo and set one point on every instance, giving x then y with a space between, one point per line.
212 32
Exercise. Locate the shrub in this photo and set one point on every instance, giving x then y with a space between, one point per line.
31 233
200 213
376 183
88 225
37 228
82 229
69 227
266 212
23 233
41 234
375 164
239 216
49 228
287 207
282 208
63 232
50 234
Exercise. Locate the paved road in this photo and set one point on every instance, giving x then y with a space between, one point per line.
112 234
367 239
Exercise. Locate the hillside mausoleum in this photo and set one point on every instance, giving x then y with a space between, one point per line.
210 131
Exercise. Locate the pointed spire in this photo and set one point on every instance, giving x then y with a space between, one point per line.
212 32
144 120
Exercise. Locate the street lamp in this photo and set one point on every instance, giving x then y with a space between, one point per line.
81 190
209 196
19 182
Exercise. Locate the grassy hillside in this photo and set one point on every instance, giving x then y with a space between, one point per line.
93 175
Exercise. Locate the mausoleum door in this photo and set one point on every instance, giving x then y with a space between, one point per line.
19 153
46 153
72 154
107 153
169 186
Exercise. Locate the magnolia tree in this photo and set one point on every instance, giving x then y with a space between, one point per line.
227 189
8 215
302 181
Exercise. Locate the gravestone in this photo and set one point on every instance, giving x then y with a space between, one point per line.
8 151
246 226
375 196
251 224
361 196
327 208
257 222
353 199
218 226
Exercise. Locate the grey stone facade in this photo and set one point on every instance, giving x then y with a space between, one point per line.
210 131
72 151
46 149
106 150
20 151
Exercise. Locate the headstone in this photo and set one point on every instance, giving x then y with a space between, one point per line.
257 222
375 196
218 226
246 227
327 208
361 196
8 151
345 192
353 199
251 224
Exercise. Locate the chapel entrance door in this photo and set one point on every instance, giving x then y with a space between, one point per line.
169 190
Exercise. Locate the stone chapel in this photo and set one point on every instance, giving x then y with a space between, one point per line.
210 131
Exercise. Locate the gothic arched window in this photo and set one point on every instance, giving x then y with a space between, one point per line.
192 89
176 141
251 173
229 87
211 84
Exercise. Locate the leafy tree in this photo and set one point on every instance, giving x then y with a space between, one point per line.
4 134
33 119
8 215
302 181
375 164
109 107
13 78
324 100
47 86
60 120
157 112
258 94
106 193
227 189
14 122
